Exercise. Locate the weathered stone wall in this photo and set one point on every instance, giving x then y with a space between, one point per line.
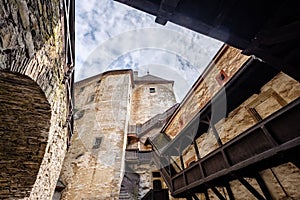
94 165
25 115
146 105
222 68
31 43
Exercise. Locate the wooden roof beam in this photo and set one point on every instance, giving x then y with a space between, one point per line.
166 10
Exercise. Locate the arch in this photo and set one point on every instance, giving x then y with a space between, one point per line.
24 128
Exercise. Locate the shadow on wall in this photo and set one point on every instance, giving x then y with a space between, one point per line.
25 121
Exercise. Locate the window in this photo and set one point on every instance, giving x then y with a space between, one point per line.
81 90
221 77
97 142
155 174
78 114
91 98
152 90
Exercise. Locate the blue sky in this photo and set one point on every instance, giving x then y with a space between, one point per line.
110 35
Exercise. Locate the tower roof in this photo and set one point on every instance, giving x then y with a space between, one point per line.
151 79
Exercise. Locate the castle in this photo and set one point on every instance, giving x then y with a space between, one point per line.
234 136
132 141
112 111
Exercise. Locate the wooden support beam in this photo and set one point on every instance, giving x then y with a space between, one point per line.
196 149
206 195
166 10
263 187
229 191
181 161
216 134
251 189
219 195
195 196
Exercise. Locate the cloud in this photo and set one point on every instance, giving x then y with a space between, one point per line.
110 35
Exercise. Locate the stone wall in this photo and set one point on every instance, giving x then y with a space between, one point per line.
146 105
25 115
226 63
31 44
94 165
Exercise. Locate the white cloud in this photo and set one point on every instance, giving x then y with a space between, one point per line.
110 35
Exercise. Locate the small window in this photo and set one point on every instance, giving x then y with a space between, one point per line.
152 90
99 81
78 114
221 77
81 90
155 174
97 142
91 98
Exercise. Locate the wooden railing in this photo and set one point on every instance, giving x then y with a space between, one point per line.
156 121
258 148
135 155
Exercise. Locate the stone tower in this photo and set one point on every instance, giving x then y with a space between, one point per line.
151 95
152 104
106 106
92 167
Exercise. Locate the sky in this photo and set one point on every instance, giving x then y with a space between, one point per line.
111 35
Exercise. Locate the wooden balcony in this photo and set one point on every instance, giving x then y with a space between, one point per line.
134 155
273 141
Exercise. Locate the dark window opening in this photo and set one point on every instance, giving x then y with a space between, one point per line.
81 90
152 90
221 77
91 98
155 174
78 114
157 185
97 142
99 81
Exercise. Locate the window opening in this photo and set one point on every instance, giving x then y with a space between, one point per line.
155 174
152 90
221 77
91 98
97 142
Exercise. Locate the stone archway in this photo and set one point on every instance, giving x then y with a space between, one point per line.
24 128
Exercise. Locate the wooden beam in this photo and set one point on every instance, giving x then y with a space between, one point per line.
251 189
219 195
229 191
263 187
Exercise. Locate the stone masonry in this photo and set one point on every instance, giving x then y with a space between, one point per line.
94 166
31 74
